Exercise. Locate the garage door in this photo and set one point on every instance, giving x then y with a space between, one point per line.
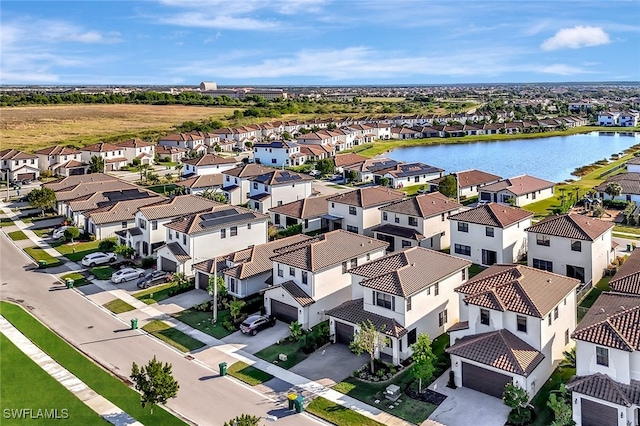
168 265
284 312
203 281
344 333
23 176
596 414
485 381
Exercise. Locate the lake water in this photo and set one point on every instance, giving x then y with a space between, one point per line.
551 158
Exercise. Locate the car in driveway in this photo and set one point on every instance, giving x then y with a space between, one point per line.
59 232
98 258
126 274
154 278
255 323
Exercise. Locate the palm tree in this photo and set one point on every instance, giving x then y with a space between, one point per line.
142 168
179 168
569 360
235 307
613 189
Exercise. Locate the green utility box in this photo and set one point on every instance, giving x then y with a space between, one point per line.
134 323
223 368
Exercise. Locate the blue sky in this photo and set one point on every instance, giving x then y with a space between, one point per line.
298 42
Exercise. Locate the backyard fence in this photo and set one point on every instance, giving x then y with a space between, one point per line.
583 290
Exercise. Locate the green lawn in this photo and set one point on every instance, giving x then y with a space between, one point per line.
629 237
17 236
94 376
42 233
118 306
627 229
248 374
202 321
413 189
293 351
102 272
5 221
338 415
544 415
162 189
75 252
39 254
155 294
78 279
17 369
475 270
170 335
589 300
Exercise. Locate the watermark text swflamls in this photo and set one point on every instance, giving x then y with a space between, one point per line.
35 413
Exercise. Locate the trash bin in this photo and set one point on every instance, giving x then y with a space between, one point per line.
299 404
629 247
42 264
134 323
292 398
223 368
69 282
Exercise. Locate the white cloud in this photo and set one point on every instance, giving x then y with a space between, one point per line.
576 37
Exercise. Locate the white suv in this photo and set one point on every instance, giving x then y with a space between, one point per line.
98 258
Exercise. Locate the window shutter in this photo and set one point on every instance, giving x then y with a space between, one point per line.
373 293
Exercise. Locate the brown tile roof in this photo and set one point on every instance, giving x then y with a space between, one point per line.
120 211
341 160
57 150
575 226
353 312
603 387
408 272
256 260
101 147
75 180
409 169
368 197
399 231
103 199
178 252
493 214
519 185
499 349
202 181
116 160
297 293
630 183
209 160
167 150
12 154
424 206
134 143
181 137
627 279
178 206
613 321
217 217
72 164
517 288
460 325
209 266
281 177
327 250
475 177
91 188
306 208
248 170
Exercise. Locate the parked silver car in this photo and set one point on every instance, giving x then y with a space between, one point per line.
126 274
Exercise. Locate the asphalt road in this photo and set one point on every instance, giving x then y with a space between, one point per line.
204 397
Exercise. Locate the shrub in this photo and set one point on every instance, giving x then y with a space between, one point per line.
106 245
147 262
615 204
452 380
519 417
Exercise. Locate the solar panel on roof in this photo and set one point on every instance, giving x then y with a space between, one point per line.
125 194
226 219
218 214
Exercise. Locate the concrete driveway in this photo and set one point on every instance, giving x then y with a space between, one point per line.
183 301
263 339
330 364
465 407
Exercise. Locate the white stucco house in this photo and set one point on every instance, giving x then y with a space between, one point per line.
608 118
307 212
490 233
236 182
629 182
515 322
628 119
518 191
278 187
470 181
208 164
18 165
112 155
409 174
406 293
278 153
105 221
138 149
61 161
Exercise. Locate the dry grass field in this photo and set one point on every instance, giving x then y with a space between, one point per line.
32 128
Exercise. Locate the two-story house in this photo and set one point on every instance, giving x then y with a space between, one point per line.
418 221
408 174
112 155
61 161
138 149
198 184
628 119
606 388
206 235
627 278
18 165
278 154
629 182
490 233
104 221
276 188
608 118
404 294
470 181
358 211
518 191
347 160
170 153
573 245
307 212
208 164
191 142
515 322
236 182
311 277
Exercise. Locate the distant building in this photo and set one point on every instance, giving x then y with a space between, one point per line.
208 85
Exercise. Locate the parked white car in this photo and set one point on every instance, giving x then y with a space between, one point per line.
58 232
314 173
98 258
126 274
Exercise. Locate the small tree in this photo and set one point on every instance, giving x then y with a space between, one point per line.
449 186
179 168
613 189
384 181
44 199
71 233
368 339
106 245
155 382
559 402
217 148
424 360
243 420
96 164
125 251
325 166
235 308
352 175
569 360
517 399
295 330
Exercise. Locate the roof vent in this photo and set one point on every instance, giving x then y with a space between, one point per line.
602 310
622 307
413 264
548 280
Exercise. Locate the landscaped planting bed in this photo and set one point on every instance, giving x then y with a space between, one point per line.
201 320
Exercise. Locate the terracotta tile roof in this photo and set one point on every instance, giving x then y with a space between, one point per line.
575 226
475 177
71 164
248 170
493 214
134 143
613 321
424 206
306 208
57 150
499 349
297 293
627 279
408 272
115 160
178 252
75 180
181 137
256 260
399 231
353 312
630 183
12 154
603 387
460 325
119 211
168 150
217 217
517 288
348 159
177 206
370 196
202 181
519 185
101 147
327 250
281 177
90 188
209 266
209 160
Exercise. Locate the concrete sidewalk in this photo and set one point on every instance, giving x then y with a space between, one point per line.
104 408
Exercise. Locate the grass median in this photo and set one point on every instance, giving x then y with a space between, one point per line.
172 336
339 415
248 374
39 254
155 294
86 370
201 320
118 306
17 235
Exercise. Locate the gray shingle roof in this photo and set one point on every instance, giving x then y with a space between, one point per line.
627 279
575 226
353 312
178 252
493 214
630 183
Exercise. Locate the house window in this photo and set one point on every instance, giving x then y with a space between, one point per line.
142 224
353 229
543 240
306 223
408 303
442 217
462 249
464 274
436 289
232 285
442 318
292 271
463 227
280 271
549 319
352 210
276 219
545 265
248 226
255 185
396 219
170 235
333 205
576 246
184 239
484 316
384 300
354 262
555 313
223 233
406 243
413 221
575 272
521 323
368 257
384 215
234 231
124 225
488 231
344 267
412 337
602 356
566 337
305 278
154 225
